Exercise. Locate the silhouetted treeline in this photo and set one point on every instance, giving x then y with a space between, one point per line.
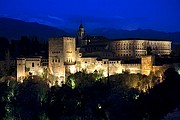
87 97
162 99
24 47
4 45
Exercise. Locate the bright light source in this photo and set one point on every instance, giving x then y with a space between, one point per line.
72 69
105 74
136 97
178 71
99 106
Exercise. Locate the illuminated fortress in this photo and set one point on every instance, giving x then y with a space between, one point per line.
68 55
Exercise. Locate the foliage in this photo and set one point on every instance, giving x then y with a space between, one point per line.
92 97
161 99
82 79
22 101
137 81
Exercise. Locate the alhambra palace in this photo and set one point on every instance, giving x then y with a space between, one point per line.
68 55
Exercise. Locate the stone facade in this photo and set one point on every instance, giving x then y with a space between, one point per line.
104 57
29 66
135 48
146 64
62 55
65 58
74 59
104 66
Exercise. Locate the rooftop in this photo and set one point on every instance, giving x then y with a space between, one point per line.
139 39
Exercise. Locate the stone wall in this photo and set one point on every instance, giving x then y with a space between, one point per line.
137 48
28 66
146 64
21 69
65 58
61 54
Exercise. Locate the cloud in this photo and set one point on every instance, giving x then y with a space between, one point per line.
47 20
56 18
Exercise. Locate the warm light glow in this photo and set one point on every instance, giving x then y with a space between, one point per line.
105 74
72 69
119 71
40 71
133 70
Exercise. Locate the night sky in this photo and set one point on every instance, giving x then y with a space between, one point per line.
162 15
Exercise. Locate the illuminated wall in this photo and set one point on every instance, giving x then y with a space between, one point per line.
132 68
61 54
146 64
21 72
69 50
34 65
65 58
136 48
28 66
104 66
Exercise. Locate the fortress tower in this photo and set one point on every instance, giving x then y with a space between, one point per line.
61 56
147 63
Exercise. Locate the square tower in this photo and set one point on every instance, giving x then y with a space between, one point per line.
21 70
147 63
61 54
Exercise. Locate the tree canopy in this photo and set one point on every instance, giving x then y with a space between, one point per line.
90 96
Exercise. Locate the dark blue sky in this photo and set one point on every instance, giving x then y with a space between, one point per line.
162 15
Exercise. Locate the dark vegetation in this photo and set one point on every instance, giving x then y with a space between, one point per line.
88 97
24 47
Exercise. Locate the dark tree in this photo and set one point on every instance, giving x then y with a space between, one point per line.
4 46
31 97
162 99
